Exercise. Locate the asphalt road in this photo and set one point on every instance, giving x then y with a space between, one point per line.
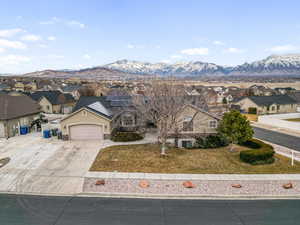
286 140
41 210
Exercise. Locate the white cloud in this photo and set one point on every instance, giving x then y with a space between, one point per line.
218 43
75 23
166 61
2 50
51 38
52 21
195 51
13 59
234 50
54 56
283 48
12 44
10 32
87 56
31 37
176 56
71 23
131 46
43 46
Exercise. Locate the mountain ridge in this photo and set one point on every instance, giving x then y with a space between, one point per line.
288 64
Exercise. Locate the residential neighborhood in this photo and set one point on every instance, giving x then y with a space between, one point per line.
149 112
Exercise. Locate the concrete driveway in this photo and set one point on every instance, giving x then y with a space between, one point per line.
45 166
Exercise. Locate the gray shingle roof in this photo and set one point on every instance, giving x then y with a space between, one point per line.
295 96
17 106
54 97
274 99
113 104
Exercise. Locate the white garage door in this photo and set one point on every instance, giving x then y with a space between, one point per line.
86 132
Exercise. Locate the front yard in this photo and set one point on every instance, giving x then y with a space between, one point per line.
294 120
251 117
146 158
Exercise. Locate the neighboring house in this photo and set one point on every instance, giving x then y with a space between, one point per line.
4 87
260 90
54 101
94 118
16 111
193 122
72 89
19 86
25 86
296 96
268 104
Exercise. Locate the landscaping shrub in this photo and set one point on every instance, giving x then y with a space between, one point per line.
119 136
211 141
261 153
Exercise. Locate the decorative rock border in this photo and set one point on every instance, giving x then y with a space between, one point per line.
120 187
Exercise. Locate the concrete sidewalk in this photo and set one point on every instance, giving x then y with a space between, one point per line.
201 177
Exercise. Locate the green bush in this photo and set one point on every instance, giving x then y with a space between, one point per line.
119 136
252 110
211 141
261 153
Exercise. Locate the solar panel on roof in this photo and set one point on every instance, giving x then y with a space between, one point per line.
120 103
97 106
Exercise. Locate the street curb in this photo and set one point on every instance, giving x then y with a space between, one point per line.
157 196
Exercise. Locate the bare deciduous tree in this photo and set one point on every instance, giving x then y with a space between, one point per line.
86 91
162 105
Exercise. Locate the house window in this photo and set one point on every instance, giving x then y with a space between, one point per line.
273 108
187 124
128 120
278 107
213 124
187 144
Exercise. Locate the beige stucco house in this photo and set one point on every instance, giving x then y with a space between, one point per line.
268 104
94 118
54 101
193 122
86 124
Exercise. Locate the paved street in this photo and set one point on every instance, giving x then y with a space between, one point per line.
35 210
286 140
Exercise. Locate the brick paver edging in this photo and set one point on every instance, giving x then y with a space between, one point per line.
161 176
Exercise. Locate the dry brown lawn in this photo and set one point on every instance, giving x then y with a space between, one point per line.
251 117
146 158
294 120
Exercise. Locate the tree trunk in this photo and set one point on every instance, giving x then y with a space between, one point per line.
231 147
163 148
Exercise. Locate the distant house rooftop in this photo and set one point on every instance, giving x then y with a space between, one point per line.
54 97
273 99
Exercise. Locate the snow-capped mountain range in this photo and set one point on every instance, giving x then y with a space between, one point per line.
273 65
126 69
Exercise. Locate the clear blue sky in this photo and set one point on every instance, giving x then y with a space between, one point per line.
41 34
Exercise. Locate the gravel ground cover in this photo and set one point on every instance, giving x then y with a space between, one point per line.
203 188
